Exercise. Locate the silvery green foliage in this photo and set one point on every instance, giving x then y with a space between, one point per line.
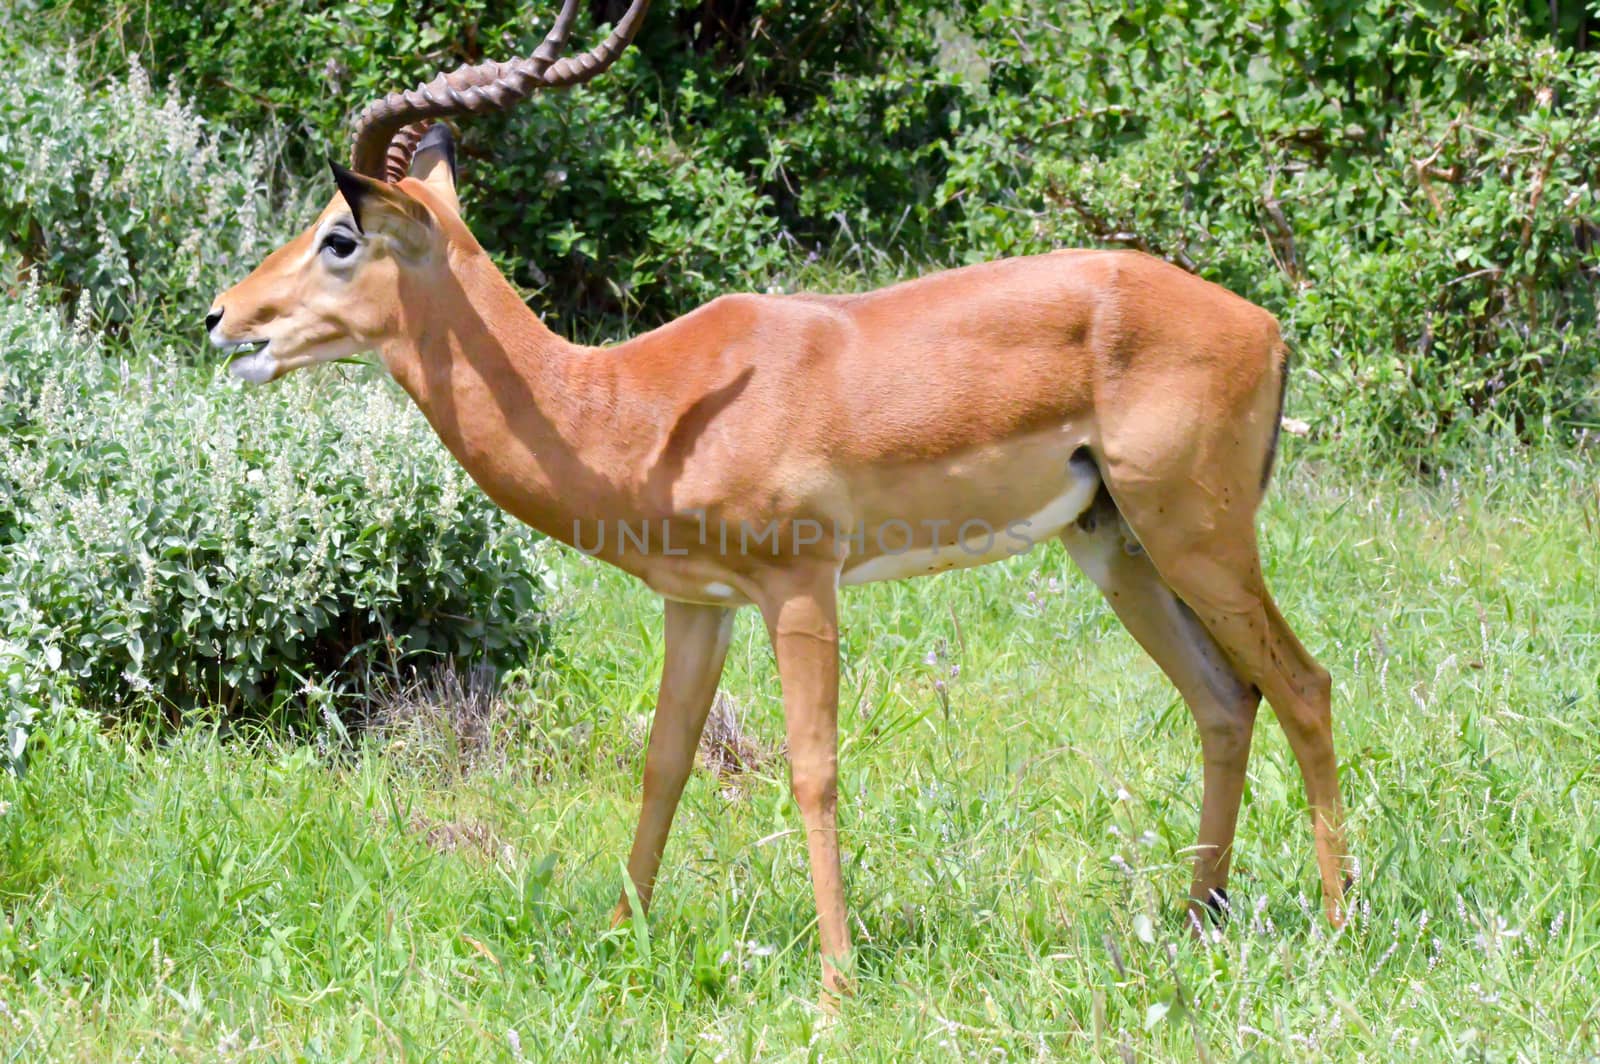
28 688
31 682
177 538
124 193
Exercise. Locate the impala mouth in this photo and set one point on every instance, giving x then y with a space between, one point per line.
239 348
250 360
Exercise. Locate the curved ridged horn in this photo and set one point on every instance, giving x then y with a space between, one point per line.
575 70
388 130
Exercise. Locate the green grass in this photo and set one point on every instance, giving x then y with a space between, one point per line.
1016 857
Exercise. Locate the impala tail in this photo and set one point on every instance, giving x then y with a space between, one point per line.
1284 357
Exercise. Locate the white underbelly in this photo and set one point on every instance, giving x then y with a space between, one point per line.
892 552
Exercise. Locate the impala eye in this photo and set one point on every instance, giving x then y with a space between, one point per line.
339 243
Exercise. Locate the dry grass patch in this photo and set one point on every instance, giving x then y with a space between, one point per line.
445 722
729 751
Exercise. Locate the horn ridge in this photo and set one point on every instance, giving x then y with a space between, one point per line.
388 129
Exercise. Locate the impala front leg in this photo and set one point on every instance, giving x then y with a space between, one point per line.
696 646
803 623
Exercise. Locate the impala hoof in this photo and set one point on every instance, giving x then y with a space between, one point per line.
830 1002
836 986
1213 910
1338 908
621 914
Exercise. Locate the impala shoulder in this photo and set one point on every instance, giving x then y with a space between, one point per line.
733 305
758 307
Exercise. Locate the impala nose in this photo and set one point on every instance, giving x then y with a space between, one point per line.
212 319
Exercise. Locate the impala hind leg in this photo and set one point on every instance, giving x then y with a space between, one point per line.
802 620
696 646
1213 565
1222 704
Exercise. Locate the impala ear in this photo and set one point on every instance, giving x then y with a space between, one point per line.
434 164
379 206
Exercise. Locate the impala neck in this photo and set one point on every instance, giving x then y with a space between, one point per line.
508 397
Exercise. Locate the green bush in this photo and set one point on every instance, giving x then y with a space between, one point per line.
30 687
176 539
300 65
730 134
1413 193
123 194
1408 184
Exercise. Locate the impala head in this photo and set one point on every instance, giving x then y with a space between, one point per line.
337 289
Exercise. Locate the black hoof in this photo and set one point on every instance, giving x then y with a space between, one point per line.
1217 907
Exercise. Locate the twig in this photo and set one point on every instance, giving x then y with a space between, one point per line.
1083 116
255 96
1534 197
1487 271
1104 229
1290 263
1425 168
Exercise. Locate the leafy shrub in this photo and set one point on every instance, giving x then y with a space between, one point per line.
608 225
1408 184
1413 193
176 537
30 687
121 193
303 65
728 134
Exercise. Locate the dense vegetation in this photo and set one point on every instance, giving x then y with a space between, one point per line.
285 535
1410 184
171 542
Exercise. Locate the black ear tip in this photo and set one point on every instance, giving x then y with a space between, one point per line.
346 178
439 138
351 186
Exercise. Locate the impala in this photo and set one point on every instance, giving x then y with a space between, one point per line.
775 448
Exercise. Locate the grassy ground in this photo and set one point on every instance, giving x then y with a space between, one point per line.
1015 842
